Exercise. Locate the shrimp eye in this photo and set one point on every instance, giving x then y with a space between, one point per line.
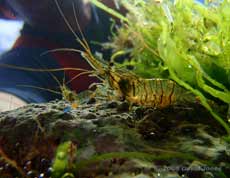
124 85
111 64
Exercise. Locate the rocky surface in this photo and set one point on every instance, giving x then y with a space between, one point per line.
112 139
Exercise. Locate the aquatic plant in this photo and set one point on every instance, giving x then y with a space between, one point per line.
63 162
185 41
66 164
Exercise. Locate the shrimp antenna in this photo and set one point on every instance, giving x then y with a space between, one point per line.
61 49
52 75
87 54
41 88
83 42
65 19
84 71
42 70
78 75
78 26
69 26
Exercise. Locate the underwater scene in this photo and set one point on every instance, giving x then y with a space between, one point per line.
115 89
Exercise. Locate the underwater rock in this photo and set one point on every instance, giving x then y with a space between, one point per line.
111 139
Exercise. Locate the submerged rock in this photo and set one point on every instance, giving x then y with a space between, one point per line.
112 139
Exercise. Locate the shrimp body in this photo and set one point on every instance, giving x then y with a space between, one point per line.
155 92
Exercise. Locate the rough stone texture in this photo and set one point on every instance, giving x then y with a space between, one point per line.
175 135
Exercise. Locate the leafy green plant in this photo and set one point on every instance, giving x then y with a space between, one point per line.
182 40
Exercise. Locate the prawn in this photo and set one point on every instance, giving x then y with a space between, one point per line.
155 92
